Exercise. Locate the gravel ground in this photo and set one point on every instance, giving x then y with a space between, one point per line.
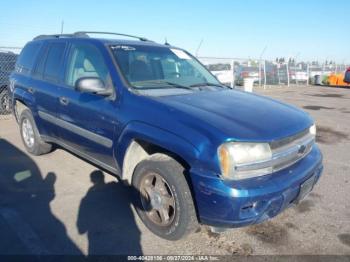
49 204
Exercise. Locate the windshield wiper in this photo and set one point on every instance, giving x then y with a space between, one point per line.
178 86
170 85
207 84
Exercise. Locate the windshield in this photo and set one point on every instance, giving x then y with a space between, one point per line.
152 67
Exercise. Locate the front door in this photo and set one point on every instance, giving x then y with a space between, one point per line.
86 120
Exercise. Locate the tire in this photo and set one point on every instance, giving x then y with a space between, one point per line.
30 135
5 105
182 216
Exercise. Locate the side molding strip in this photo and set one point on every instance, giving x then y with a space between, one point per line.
77 130
109 168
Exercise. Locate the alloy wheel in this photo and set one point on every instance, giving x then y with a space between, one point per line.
157 199
28 133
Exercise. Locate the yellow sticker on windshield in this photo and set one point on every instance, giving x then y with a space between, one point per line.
180 54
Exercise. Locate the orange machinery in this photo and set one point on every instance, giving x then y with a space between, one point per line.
337 79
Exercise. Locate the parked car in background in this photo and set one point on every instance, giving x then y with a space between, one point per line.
242 72
223 72
7 65
299 76
192 150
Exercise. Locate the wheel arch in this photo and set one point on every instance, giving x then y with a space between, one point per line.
140 141
19 107
23 100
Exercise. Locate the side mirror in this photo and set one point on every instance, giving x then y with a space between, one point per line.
347 76
92 85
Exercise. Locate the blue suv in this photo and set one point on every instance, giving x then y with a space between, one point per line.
193 150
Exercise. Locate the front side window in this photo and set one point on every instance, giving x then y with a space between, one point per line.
153 67
86 61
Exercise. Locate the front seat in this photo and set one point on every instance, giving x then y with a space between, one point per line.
139 71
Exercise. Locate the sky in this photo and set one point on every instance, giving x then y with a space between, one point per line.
303 29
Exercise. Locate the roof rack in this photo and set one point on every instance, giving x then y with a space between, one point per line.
85 34
40 37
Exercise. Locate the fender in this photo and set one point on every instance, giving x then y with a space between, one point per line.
165 139
20 94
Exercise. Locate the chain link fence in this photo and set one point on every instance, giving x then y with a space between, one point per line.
229 71
266 73
8 57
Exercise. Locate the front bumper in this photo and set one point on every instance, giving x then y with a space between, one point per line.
239 203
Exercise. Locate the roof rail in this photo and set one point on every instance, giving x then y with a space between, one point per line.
85 33
40 37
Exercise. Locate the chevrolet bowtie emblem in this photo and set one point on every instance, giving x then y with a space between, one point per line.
302 149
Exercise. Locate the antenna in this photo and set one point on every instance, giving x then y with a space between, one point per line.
166 42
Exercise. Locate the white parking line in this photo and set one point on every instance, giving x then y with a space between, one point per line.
25 233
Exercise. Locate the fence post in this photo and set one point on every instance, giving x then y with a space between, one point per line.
233 73
260 73
323 68
264 74
287 67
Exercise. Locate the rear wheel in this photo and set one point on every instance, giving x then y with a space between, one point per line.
30 135
163 198
5 105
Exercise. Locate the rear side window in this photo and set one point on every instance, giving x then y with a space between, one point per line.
27 57
39 70
53 62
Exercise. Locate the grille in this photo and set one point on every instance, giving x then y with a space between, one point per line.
285 152
292 149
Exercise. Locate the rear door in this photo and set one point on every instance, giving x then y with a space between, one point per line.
87 120
45 84
21 78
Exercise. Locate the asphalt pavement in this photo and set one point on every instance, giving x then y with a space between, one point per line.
60 204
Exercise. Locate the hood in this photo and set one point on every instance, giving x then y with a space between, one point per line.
239 115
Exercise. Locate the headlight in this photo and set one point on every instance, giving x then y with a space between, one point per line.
241 160
236 159
312 130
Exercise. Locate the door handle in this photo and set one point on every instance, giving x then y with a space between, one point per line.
31 90
64 100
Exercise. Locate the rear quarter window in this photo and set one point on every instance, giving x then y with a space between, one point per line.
26 60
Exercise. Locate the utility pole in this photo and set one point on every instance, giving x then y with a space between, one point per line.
233 73
308 73
264 74
288 79
199 46
62 26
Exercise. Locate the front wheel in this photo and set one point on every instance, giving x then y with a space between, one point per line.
163 198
